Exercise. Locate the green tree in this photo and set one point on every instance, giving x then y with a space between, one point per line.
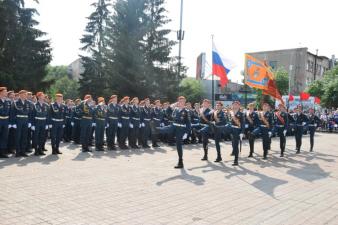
24 54
282 81
192 89
326 89
94 79
69 88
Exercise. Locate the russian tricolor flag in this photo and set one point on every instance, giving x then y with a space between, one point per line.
221 66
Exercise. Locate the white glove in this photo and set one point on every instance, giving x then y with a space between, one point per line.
162 124
241 136
304 123
63 126
185 136
93 124
14 126
29 125
33 128
9 126
47 127
119 125
131 125
284 132
50 126
140 125
143 125
246 125
315 125
107 125
72 124
270 134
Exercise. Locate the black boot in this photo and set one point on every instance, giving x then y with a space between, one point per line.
36 152
41 152
235 162
218 159
58 151
205 148
54 152
179 165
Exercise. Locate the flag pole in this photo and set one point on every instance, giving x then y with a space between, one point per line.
212 76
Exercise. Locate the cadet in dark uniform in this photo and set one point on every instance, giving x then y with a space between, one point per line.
218 119
281 126
76 122
237 129
67 134
205 117
21 113
266 128
300 121
157 119
100 118
124 123
5 110
11 131
313 122
135 123
39 123
87 112
57 121
195 124
251 123
182 125
168 120
113 112
146 119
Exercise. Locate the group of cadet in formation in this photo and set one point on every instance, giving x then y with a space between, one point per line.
27 120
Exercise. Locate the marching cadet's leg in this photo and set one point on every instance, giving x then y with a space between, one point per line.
99 135
312 134
218 135
265 137
179 142
3 137
235 143
205 138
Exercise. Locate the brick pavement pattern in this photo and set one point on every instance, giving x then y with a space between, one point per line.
141 187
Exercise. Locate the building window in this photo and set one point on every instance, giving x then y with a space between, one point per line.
273 65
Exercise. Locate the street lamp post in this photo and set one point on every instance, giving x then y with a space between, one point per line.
180 37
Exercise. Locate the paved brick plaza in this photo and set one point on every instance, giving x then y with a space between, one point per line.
141 187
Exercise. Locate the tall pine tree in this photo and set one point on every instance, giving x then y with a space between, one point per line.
23 53
94 78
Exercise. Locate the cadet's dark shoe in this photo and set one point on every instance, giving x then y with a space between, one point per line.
23 155
235 164
179 166
265 158
232 154
17 155
156 146
3 156
172 144
282 155
219 159
45 150
205 158
36 153
146 146
42 153
99 149
298 151
29 150
250 156
311 150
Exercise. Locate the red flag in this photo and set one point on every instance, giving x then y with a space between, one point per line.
317 100
291 98
273 91
304 96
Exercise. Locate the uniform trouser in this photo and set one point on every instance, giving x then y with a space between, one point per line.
235 142
195 127
220 131
205 132
21 135
124 131
11 139
56 133
3 136
282 139
134 133
68 130
298 136
146 133
252 136
111 132
29 136
265 140
76 131
86 132
251 140
312 130
40 134
154 137
99 133
178 132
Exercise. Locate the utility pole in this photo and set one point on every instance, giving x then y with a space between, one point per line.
180 37
315 72
212 80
